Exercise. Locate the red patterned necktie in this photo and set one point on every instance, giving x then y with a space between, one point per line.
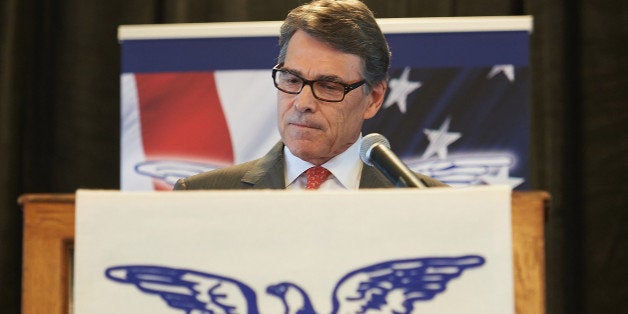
315 177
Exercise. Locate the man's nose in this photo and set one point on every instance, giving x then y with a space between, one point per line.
305 99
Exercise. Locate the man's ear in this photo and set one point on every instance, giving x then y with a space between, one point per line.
376 98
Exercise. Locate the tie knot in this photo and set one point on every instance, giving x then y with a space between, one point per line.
315 177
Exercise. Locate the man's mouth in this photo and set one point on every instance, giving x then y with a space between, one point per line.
304 125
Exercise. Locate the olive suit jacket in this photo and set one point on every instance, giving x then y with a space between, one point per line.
267 172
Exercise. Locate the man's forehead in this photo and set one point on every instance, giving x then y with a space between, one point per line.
312 57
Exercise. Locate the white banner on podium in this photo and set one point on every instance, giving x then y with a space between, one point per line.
275 252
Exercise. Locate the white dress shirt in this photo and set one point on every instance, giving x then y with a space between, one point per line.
345 169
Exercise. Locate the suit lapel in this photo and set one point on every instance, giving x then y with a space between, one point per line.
268 172
371 178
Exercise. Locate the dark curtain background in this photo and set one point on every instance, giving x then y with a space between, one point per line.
59 119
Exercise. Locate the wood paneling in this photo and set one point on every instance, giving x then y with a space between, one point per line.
48 236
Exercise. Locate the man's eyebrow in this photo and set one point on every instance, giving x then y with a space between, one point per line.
326 78
330 78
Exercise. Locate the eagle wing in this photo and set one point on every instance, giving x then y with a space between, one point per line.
188 290
394 286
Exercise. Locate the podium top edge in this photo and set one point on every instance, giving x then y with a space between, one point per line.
46 198
271 28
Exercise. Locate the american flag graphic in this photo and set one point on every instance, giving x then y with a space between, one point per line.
457 106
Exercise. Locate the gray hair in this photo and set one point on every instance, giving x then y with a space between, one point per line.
346 25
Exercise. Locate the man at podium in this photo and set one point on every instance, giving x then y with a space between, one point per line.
330 76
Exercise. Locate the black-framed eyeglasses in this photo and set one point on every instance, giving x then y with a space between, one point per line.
330 91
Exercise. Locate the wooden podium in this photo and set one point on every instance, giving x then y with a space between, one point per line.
49 238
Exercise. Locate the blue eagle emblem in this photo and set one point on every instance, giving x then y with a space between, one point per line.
389 287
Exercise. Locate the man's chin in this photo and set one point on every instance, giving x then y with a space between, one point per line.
305 149
302 147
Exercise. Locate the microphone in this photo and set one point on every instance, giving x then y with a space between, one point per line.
375 151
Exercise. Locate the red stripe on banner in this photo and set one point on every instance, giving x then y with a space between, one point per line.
181 118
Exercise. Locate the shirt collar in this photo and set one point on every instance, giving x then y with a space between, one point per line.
345 167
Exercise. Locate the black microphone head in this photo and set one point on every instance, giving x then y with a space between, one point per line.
368 142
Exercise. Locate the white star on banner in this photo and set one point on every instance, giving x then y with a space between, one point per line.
439 140
507 69
400 88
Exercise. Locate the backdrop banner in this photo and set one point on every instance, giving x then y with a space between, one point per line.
196 97
381 251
